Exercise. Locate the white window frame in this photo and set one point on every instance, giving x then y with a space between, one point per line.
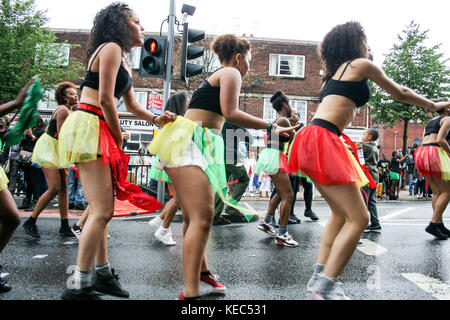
301 106
134 58
141 97
275 69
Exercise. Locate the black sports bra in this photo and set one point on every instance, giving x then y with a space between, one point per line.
357 91
123 80
434 126
206 97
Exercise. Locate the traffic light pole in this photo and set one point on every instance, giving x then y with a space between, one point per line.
167 84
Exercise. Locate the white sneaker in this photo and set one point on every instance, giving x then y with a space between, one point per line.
156 222
165 236
286 240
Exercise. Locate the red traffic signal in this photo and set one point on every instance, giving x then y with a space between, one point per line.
153 57
152 46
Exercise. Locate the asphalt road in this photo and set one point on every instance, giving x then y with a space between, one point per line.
403 262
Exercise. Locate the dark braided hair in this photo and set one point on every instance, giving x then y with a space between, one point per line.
343 43
278 100
110 25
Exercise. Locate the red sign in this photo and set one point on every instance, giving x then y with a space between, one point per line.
155 103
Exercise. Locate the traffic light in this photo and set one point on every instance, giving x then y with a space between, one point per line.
153 57
189 52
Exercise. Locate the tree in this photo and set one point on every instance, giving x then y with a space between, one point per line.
27 49
410 63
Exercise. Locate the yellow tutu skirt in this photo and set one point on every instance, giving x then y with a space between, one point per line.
3 179
185 143
78 139
45 152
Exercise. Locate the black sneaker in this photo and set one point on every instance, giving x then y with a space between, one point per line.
80 294
76 230
25 204
294 217
444 230
31 208
71 206
375 228
66 232
218 221
4 286
31 229
109 284
310 214
80 206
435 231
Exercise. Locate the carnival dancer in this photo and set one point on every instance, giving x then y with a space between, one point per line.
192 153
273 162
432 160
91 138
45 154
318 151
9 214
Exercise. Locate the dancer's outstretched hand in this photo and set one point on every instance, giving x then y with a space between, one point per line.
165 118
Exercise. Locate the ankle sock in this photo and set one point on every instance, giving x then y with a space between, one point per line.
282 230
268 219
318 268
82 278
205 274
103 269
65 223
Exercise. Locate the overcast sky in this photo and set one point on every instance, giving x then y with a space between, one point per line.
310 20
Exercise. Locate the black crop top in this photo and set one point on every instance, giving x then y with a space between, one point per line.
52 130
123 80
434 126
206 97
357 91
277 143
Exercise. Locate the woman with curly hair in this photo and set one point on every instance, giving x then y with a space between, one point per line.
45 154
191 151
91 138
319 153
432 160
273 161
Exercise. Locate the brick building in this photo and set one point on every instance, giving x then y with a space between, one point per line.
289 65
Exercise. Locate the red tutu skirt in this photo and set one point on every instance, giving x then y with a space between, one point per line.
118 161
318 152
432 161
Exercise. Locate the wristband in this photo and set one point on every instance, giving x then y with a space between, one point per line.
154 120
270 126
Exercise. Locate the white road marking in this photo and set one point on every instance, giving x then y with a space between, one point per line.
367 247
439 289
69 243
4 275
390 216
371 248
40 256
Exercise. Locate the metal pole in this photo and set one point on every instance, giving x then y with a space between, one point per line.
170 37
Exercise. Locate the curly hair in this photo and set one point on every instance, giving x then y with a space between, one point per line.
110 25
278 100
60 92
227 45
343 43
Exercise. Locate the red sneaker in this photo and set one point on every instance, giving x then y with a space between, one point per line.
213 281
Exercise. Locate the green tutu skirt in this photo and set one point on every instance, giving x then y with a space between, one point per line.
185 143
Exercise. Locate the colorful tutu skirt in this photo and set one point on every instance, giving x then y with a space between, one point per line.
45 152
318 152
272 161
84 137
432 161
186 143
3 179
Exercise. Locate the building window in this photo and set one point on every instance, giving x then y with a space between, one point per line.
56 53
298 105
141 97
133 58
290 66
48 101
